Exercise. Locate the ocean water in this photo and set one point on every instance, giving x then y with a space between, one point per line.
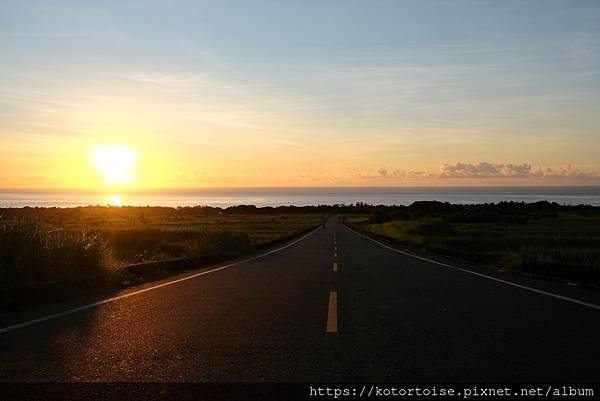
300 196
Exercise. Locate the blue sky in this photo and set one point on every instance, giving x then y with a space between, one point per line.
262 93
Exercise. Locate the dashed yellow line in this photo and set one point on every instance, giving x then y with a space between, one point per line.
335 266
332 321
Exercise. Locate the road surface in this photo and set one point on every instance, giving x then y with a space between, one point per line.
330 306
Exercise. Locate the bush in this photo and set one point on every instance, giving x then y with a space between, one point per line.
379 216
400 215
434 227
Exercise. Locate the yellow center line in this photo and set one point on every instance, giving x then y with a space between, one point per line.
334 266
332 324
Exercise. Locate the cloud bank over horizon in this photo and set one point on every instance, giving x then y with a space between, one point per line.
488 170
498 170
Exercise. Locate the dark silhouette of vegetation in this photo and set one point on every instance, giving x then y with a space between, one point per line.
379 216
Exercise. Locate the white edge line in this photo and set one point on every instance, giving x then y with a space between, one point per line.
550 294
131 294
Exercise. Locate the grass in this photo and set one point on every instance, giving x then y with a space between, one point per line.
37 262
563 244
53 252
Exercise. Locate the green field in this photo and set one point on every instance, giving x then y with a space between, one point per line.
134 239
562 243
57 251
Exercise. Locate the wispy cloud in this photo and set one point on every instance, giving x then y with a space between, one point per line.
165 79
44 35
385 173
582 50
27 181
201 178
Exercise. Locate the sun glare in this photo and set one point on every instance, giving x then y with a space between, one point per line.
114 200
114 162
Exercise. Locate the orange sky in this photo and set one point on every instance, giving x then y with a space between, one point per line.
336 94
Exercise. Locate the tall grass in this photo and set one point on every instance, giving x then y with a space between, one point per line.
35 260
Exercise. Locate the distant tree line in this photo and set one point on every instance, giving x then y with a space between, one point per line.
487 212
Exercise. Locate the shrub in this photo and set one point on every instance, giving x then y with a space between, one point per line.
434 227
379 216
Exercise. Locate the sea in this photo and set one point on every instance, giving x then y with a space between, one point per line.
224 197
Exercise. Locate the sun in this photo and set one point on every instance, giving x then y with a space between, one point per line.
114 200
114 162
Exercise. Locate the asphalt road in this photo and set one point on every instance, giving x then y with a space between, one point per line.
292 315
